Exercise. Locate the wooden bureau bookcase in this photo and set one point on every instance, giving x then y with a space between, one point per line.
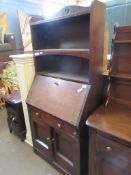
110 125
68 52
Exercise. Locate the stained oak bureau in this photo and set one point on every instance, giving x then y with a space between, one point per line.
110 125
68 55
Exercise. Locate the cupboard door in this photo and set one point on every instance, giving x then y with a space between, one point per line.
66 153
112 158
42 139
103 167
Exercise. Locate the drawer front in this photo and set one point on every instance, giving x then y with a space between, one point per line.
14 125
40 117
117 154
11 110
13 118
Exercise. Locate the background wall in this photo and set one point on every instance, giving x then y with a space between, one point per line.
117 11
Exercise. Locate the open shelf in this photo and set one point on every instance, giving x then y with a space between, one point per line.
67 16
66 76
83 53
121 76
121 41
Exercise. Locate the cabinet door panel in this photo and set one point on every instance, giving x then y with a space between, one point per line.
42 139
113 158
106 168
66 153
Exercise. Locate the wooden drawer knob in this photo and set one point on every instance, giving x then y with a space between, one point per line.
108 148
36 113
59 125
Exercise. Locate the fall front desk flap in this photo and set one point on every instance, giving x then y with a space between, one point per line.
60 98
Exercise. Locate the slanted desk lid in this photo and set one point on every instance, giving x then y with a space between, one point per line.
61 98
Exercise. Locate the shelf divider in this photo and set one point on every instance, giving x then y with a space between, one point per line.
83 53
121 41
66 76
121 75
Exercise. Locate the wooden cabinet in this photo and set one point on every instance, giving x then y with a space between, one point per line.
109 155
56 140
68 54
15 117
110 124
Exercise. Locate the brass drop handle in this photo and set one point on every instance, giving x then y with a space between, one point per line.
36 113
59 125
108 148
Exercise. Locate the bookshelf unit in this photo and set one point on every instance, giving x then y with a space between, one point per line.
110 125
68 55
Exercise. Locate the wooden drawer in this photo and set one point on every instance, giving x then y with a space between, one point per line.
11 110
41 116
117 154
14 125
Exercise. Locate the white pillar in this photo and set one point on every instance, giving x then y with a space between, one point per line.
25 71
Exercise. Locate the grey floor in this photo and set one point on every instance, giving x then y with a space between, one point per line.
16 157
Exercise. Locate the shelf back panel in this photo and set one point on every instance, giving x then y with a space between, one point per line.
67 34
121 89
121 60
62 99
65 64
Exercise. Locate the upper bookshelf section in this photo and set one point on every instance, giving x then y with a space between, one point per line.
72 41
122 35
67 31
120 72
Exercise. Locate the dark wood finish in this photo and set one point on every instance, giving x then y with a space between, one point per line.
83 53
68 52
114 120
108 154
15 113
110 125
62 102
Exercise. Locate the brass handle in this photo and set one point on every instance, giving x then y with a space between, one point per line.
13 119
74 133
59 125
108 148
36 113
48 138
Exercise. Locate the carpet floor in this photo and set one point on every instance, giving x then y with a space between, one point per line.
18 158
